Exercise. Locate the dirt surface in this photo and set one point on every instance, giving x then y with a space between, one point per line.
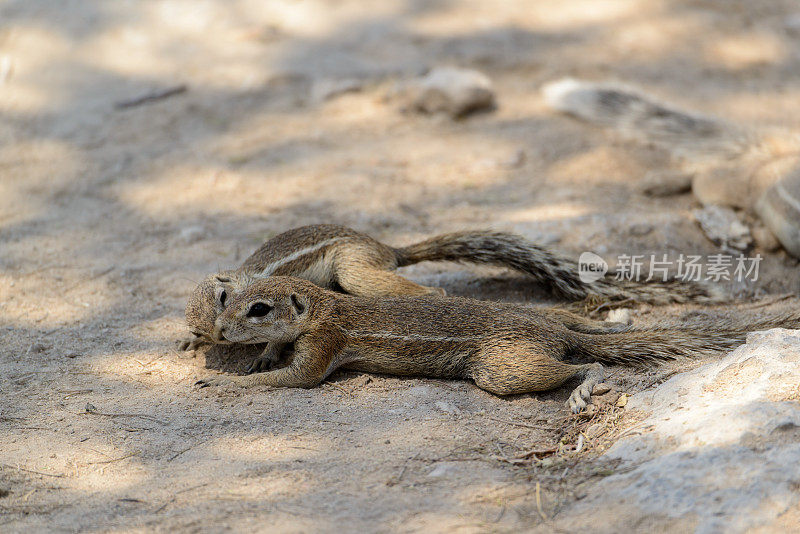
110 214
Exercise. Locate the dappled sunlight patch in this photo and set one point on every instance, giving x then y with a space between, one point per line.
262 448
36 55
764 107
187 188
160 329
62 297
145 367
651 39
549 212
96 464
745 51
537 16
601 164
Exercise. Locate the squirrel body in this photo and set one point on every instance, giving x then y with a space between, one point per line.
504 348
340 258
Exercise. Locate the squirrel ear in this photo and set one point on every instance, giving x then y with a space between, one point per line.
299 306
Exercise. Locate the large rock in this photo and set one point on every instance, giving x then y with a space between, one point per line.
719 451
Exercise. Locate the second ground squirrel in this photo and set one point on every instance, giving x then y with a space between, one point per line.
504 348
336 257
753 168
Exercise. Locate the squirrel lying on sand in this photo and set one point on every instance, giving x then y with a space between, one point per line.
504 348
335 257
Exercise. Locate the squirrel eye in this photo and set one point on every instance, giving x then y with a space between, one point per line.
222 297
259 309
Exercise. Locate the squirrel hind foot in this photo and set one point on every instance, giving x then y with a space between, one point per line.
592 375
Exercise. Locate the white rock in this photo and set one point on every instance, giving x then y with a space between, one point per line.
453 91
620 315
723 227
720 449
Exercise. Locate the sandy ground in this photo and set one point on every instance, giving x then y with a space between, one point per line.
109 216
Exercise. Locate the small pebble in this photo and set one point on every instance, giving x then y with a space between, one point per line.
601 389
453 91
722 226
620 315
622 401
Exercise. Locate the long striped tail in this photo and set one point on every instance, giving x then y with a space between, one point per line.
559 273
642 118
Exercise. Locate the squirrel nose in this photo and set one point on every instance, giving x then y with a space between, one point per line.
219 333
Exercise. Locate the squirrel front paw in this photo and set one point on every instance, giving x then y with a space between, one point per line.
191 342
216 381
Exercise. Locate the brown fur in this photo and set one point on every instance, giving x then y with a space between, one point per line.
505 349
335 257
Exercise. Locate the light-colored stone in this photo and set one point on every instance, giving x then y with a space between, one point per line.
601 389
620 315
720 449
453 91
722 226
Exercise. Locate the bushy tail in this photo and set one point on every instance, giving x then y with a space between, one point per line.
557 272
640 345
643 119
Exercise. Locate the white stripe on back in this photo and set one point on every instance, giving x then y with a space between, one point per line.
269 269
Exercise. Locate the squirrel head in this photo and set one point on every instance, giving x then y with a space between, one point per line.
209 299
272 309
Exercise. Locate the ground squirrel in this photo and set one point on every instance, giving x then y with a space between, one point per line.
505 349
752 168
335 257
